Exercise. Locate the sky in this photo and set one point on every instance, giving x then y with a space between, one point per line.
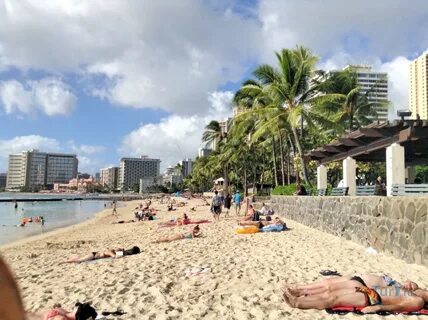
106 79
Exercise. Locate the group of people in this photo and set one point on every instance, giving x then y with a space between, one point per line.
370 293
37 219
144 212
220 203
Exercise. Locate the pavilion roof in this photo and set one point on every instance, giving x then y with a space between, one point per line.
368 144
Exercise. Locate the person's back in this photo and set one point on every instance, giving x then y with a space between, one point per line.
237 197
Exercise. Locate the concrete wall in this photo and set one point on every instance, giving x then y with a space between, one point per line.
394 225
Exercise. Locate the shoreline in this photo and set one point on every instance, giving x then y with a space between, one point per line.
57 231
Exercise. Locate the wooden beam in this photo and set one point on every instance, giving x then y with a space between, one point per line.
335 149
375 132
366 149
351 142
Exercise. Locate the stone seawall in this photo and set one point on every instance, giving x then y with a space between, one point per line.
394 225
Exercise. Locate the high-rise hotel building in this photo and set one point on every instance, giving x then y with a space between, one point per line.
418 88
109 177
40 169
131 170
375 84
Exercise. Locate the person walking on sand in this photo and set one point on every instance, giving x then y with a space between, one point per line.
216 206
237 199
227 204
114 208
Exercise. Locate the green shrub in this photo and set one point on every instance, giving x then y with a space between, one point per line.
288 190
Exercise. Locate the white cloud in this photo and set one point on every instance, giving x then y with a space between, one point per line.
48 95
398 76
23 143
176 137
85 149
164 54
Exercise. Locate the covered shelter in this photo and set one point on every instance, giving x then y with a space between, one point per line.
401 144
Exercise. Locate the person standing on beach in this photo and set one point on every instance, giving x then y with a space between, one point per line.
237 199
114 208
227 203
16 205
216 206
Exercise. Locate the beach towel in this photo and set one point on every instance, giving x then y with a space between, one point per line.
341 310
273 228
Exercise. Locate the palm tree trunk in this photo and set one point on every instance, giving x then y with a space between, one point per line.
245 182
351 123
281 150
274 162
288 169
226 180
262 174
301 155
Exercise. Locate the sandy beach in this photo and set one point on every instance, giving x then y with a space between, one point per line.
243 279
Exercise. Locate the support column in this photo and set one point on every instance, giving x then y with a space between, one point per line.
321 177
349 166
395 167
410 175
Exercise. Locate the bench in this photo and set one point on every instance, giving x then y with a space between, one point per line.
338 192
409 189
366 190
321 192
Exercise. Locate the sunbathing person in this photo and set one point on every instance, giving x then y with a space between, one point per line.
344 282
111 253
370 300
263 223
252 214
196 232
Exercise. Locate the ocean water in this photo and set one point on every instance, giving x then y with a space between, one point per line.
57 214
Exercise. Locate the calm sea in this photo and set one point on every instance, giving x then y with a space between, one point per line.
56 213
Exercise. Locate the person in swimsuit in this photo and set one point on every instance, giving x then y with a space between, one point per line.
263 223
196 232
369 299
111 253
336 283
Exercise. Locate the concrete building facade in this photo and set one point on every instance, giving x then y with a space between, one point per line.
131 170
109 177
186 167
204 152
418 87
376 83
40 169
3 179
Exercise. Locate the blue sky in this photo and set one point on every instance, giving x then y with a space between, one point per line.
111 79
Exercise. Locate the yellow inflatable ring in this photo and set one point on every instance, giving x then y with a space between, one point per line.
247 229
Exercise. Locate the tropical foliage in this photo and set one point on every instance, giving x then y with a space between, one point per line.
283 112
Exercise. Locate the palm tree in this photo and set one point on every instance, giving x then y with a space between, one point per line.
345 103
286 90
213 134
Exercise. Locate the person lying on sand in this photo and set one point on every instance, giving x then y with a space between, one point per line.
264 223
179 222
110 253
196 232
185 220
360 295
344 282
58 313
